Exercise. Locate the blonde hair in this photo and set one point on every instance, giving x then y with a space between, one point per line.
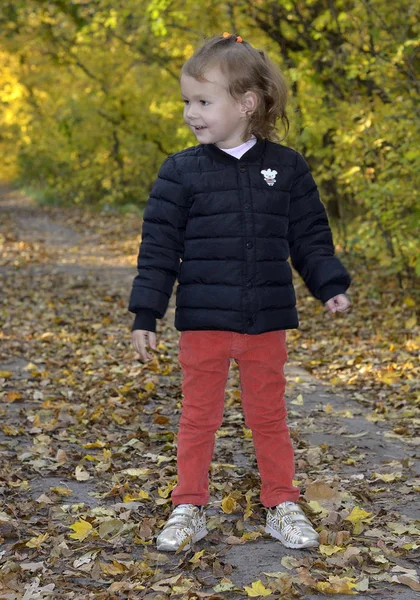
247 69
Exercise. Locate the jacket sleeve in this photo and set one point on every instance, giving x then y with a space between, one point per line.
310 238
161 247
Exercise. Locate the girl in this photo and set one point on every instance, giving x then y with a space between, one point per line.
233 208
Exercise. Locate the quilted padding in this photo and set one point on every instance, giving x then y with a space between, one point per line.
225 229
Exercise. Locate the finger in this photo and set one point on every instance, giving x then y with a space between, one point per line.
344 305
139 345
152 339
331 306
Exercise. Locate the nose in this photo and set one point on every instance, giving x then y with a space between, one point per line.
191 111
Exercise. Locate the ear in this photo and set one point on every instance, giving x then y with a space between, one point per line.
249 102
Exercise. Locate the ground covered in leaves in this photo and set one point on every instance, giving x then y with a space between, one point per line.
88 435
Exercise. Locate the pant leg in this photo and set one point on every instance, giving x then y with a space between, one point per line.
263 384
204 357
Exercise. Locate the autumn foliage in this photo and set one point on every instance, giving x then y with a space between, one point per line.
91 103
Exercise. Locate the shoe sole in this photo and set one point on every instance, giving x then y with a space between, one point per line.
195 538
276 534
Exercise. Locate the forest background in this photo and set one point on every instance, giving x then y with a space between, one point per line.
89 108
90 104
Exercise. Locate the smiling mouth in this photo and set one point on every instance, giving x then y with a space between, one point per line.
199 128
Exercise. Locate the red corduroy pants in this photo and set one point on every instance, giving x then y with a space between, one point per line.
205 358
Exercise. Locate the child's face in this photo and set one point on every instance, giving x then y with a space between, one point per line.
211 112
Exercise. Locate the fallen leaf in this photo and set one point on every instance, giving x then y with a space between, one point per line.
37 541
225 585
298 401
256 589
337 585
387 477
61 491
140 495
81 474
81 530
196 558
5 374
411 581
329 550
357 515
319 491
229 504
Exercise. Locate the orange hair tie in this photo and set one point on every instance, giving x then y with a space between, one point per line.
226 34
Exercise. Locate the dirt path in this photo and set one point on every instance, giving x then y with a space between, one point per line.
66 367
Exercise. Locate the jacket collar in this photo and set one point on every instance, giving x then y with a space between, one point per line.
253 155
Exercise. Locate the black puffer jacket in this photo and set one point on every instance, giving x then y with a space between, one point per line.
233 223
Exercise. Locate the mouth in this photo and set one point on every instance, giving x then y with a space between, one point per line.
200 128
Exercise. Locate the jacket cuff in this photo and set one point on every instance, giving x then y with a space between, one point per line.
144 319
329 291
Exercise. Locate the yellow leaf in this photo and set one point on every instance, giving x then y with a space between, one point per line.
257 589
229 504
81 530
411 322
357 515
150 386
90 457
30 367
298 401
5 374
328 408
126 388
81 474
61 491
10 430
347 414
116 568
164 492
388 477
410 546
247 433
196 558
36 542
12 397
409 301
251 535
317 508
97 444
117 418
329 550
136 472
248 508
389 378
141 495
337 585
350 172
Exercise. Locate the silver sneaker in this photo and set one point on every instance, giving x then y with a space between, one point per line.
186 521
288 523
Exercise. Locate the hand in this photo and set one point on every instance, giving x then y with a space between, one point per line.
338 303
141 339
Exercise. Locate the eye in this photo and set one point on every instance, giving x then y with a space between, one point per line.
204 102
186 102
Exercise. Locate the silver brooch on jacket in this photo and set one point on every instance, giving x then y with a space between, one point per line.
269 176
